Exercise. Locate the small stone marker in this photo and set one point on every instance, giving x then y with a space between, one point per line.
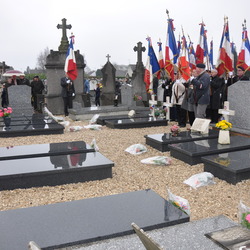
201 125
153 102
168 105
226 112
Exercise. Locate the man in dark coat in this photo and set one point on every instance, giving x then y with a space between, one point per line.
201 87
216 87
23 81
37 88
68 92
239 77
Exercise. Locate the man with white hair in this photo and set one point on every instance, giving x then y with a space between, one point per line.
216 87
201 87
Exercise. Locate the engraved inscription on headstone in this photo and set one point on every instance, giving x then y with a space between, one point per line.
201 125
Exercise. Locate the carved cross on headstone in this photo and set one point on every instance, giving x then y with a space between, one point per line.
108 56
226 112
64 41
139 50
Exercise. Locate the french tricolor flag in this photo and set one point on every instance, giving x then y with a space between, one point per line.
201 49
70 64
244 55
160 59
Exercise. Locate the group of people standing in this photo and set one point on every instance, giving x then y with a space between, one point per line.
201 96
36 85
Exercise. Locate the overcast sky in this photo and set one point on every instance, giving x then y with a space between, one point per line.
112 27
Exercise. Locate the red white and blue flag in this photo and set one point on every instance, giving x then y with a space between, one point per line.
201 49
152 66
191 56
171 52
70 63
211 55
225 59
244 55
160 59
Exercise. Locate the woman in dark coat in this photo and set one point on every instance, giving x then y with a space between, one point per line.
216 86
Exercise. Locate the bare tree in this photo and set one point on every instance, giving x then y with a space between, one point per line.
41 59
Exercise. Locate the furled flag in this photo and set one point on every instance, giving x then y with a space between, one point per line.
191 55
244 55
70 64
183 61
171 51
211 55
152 66
178 48
225 58
160 59
201 49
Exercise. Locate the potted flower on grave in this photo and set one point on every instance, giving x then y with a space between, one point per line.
137 98
5 113
224 135
175 130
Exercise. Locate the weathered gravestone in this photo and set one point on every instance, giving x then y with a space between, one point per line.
108 90
239 102
20 100
55 71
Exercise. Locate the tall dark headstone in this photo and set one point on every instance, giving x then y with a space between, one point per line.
108 90
137 82
55 71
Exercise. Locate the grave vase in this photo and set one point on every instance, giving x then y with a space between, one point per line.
224 137
7 121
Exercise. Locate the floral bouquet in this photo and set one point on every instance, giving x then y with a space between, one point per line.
5 112
244 215
137 98
224 125
175 129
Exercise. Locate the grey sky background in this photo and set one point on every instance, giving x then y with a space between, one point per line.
110 27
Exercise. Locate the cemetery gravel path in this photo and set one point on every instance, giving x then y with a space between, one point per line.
129 174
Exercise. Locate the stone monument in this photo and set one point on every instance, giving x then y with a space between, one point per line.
137 82
239 102
108 90
55 71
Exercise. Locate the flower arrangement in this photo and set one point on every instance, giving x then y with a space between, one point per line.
137 98
5 112
224 125
175 129
245 220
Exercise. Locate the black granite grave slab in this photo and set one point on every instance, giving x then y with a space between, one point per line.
191 152
136 123
40 150
161 141
36 124
88 220
54 170
232 167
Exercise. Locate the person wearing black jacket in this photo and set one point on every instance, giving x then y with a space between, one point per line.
37 88
239 77
68 92
216 88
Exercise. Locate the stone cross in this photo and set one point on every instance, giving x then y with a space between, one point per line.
64 41
168 105
226 112
153 102
108 56
139 50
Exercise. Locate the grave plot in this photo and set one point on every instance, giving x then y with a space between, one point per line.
162 141
191 152
88 220
136 123
36 124
54 170
40 150
232 167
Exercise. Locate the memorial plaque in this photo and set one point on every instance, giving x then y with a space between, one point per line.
201 125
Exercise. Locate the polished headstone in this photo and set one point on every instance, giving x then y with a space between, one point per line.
88 220
232 167
39 150
136 123
54 170
191 152
188 236
161 141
